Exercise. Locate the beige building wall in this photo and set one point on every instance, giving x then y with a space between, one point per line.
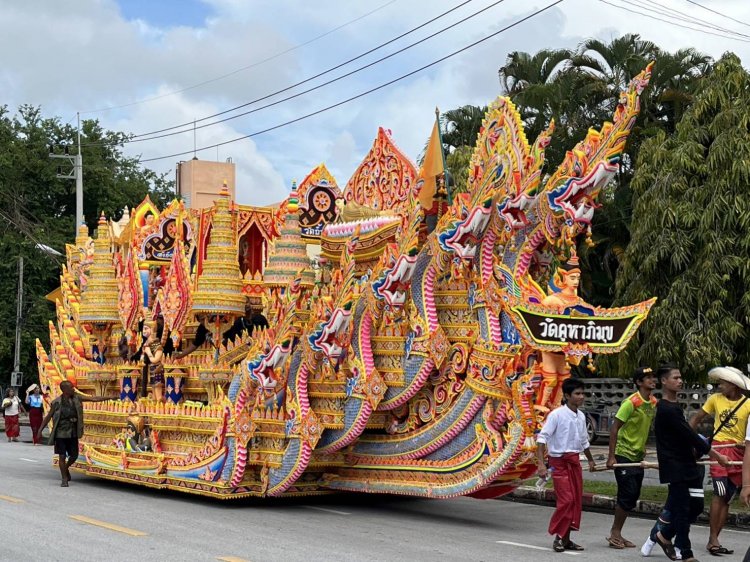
199 182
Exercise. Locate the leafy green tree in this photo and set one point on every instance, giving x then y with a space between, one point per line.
37 209
580 89
690 236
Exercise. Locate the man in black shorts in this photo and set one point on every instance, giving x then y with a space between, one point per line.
627 445
66 413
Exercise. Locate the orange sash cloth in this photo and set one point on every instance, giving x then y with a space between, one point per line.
567 479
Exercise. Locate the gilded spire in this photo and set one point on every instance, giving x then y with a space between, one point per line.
289 255
99 300
219 287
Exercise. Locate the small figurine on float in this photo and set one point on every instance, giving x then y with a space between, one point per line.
563 299
153 352
135 437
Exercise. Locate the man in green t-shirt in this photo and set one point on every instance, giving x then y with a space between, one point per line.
627 444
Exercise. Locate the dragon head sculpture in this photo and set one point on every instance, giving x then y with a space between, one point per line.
569 200
393 274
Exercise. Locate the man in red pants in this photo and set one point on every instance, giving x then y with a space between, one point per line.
563 438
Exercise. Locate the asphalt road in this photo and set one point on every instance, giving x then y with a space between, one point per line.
99 520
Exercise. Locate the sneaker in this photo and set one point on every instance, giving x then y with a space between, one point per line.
647 547
677 553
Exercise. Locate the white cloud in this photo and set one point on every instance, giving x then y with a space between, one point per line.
84 55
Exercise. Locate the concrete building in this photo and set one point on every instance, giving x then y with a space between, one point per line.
199 181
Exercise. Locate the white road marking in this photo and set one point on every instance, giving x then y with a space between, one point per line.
27 460
534 547
326 510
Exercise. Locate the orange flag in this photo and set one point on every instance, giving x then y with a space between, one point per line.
432 166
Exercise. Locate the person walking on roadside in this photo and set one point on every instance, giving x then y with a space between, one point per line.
11 407
627 445
745 493
36 412
730 410
563 437
66 413
677 448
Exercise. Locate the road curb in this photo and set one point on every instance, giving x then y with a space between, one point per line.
597 502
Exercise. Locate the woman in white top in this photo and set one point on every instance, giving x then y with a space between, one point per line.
11 407
36 413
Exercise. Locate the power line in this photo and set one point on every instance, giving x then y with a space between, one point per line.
671 12
191 124
371 90
253 65
338 78
632 11
718 13
22 229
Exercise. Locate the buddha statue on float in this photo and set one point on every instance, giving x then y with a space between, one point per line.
562 299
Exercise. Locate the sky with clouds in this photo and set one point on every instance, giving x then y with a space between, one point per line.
156 64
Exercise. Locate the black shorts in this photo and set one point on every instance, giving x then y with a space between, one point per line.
725 488
629 482
67 446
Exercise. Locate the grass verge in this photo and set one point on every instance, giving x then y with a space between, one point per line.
657 494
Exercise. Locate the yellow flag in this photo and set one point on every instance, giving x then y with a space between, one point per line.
432 166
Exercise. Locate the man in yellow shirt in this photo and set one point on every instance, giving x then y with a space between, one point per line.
730 410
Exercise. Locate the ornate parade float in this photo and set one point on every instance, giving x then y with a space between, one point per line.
405 361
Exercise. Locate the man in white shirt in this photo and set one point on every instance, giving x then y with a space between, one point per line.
563 437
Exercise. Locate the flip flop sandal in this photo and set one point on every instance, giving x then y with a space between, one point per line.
615 543
627 544
718 550
570 545
668 548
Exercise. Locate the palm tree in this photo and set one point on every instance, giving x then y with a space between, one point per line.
580 89
460 126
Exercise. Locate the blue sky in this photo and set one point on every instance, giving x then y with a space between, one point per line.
166 13
160 63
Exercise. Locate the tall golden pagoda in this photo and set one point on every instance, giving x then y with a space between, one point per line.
99 300
219 287
289 255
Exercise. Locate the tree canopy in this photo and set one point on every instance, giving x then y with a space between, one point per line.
690 233
37 208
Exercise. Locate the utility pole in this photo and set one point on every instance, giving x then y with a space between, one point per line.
79 178
76 162
16 375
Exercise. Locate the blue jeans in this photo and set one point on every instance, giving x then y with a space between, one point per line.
684 505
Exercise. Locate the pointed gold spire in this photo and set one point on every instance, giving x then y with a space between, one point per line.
219 287
99 300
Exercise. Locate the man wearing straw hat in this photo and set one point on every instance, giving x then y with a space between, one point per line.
730 410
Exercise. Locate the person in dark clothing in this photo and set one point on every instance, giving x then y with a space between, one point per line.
677 448
66 413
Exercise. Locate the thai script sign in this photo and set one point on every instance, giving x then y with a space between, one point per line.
551 329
